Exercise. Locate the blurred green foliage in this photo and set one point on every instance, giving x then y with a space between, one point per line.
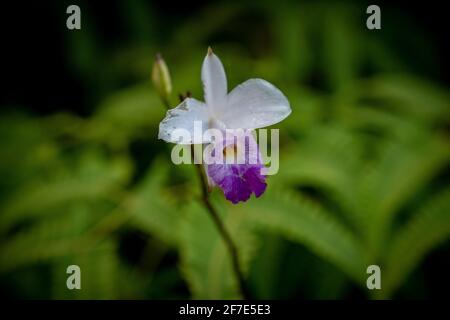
363 171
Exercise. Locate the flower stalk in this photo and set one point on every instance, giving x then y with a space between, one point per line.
162 82
222 231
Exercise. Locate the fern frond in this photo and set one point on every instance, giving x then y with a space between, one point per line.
151 209
99 271
56 236
92 180
429 227
329 159
306 222
406 165
205 260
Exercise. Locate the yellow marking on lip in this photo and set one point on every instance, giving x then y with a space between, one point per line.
231 153
230 150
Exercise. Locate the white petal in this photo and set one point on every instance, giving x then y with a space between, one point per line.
179 123
254 104
214 81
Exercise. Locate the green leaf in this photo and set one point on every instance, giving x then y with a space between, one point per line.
429 227
153 209
327 158
340 50
205 261
99 270
411 96
45 240
91 179
406 165
308 223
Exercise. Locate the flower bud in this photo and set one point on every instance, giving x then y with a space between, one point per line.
161 79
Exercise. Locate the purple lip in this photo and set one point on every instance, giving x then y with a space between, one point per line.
239 181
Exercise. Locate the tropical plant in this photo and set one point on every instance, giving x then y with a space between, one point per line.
362 180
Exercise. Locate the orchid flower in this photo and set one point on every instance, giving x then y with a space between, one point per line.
251 105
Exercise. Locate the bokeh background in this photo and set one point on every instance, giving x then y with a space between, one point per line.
364 155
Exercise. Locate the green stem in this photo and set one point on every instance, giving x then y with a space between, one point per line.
217 220
223 231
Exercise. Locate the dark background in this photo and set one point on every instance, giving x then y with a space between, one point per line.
34 54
